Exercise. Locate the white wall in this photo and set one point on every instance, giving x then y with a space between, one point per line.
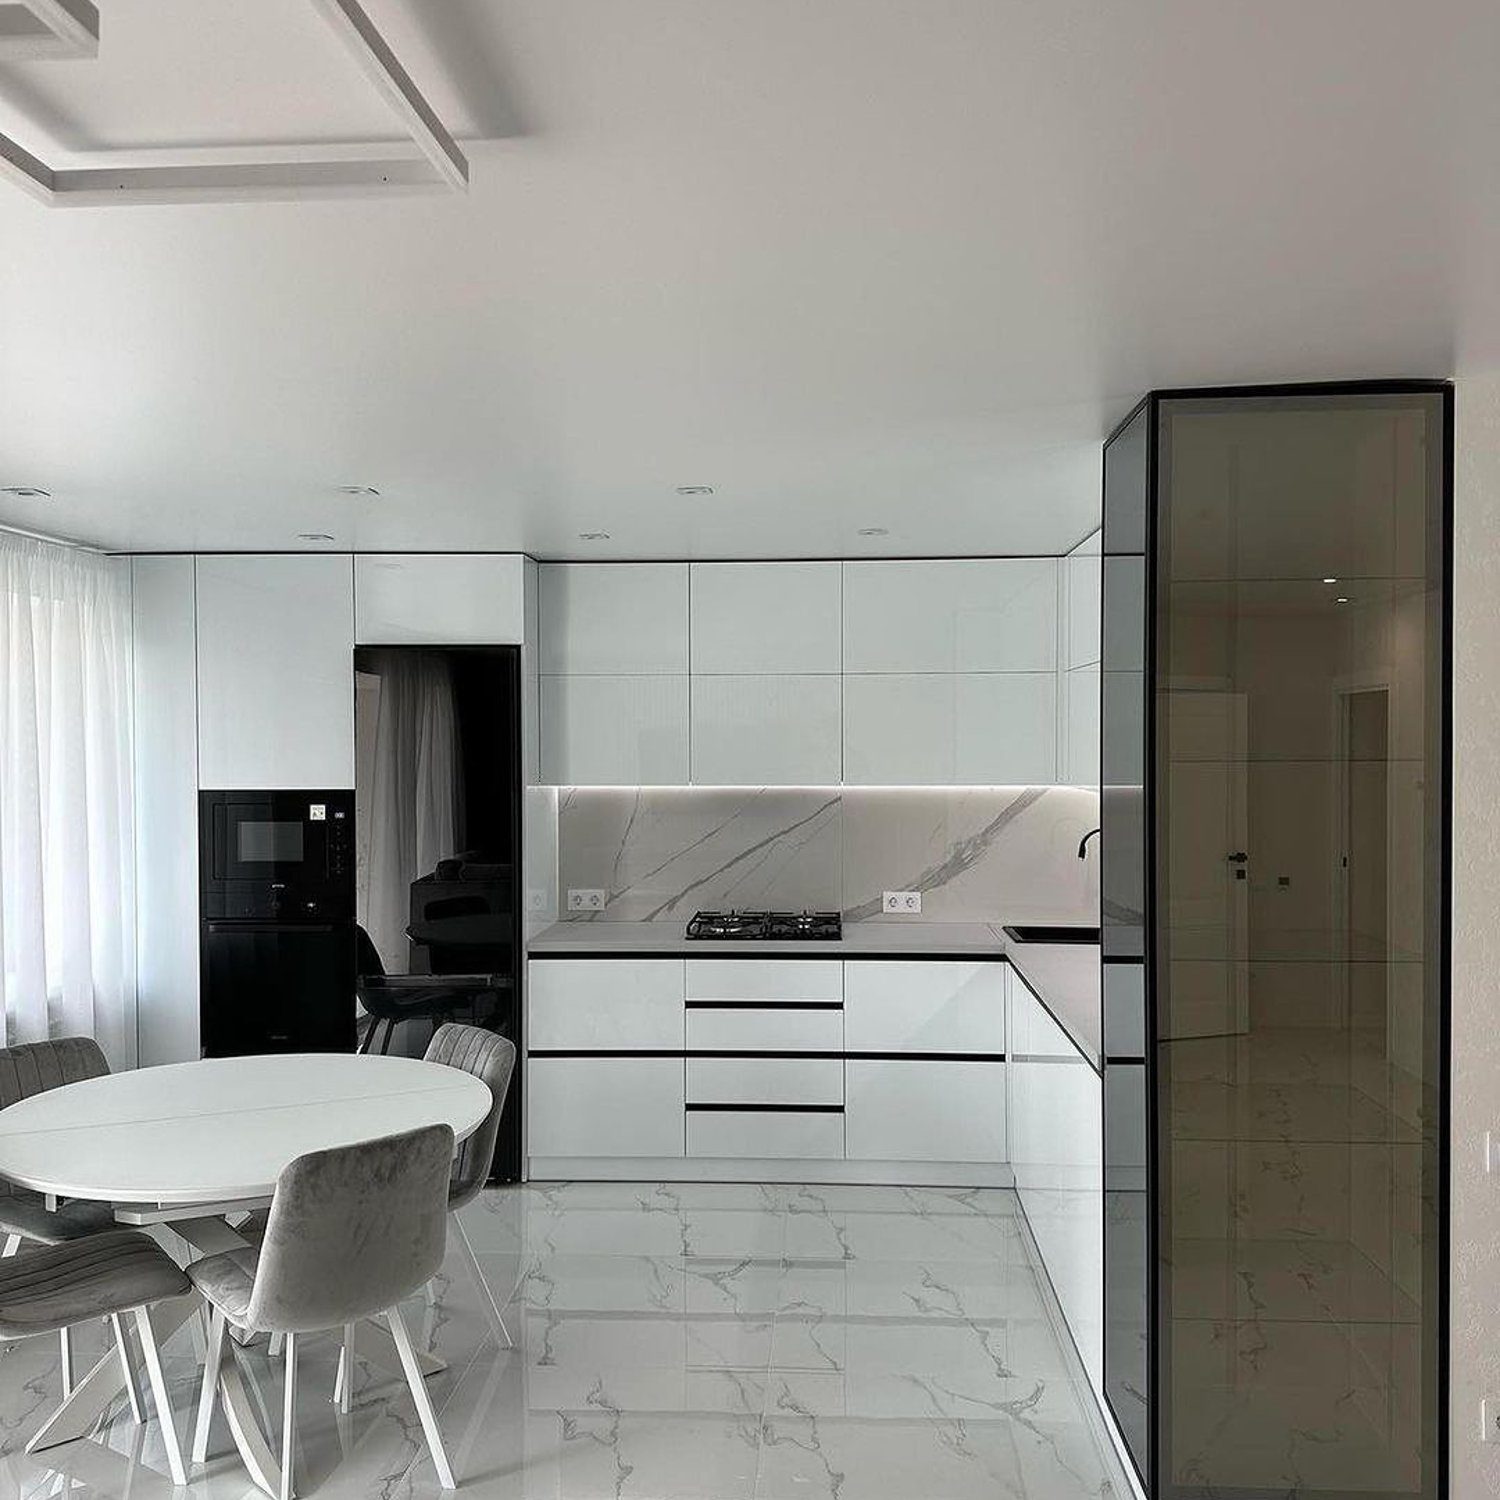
1475 1335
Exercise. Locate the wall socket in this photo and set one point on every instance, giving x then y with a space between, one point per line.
585 899
902 903
1489 1421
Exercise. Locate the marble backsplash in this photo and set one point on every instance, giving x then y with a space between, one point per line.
977 854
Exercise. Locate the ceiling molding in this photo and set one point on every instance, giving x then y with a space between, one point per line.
70 28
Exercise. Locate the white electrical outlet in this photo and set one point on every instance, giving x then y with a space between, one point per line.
902 903
585 899
536 900
1489 1421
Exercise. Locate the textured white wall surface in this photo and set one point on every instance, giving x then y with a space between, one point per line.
1476 932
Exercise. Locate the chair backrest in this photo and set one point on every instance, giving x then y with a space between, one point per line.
352 1231
490 1058
35 1067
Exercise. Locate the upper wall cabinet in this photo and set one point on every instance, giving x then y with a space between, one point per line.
449 599
275 671
614 663
766 618
972 615
608 619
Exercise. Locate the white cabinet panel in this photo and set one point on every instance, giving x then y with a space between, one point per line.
615 731
761 618
924 1111
995 729
604 1106
604 1003
765 1080
766 731
775 1028
451 599
611 618
1083 573
1081 728
769 1136
975 615
925 1007
275 671
772 980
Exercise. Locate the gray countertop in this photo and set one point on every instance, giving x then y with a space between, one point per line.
1063 976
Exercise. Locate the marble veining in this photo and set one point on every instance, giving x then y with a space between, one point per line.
695 1340
975 853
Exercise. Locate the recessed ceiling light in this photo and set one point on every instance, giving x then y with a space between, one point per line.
314 536
695 489
1342 599
1330 580
593 536
368 490
873 531
25 492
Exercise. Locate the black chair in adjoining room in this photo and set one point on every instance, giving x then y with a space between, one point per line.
394 998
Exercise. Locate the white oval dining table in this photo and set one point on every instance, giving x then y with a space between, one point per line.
185 1144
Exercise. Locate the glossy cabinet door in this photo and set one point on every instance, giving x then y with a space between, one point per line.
935 729
439 599
614 731
911 1110
901 1006
275 671
766 731
604 1004
749 1134
604 1107
770 618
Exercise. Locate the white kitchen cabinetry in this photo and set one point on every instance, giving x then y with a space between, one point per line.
614 663
447 599
925 1007
772 981
934 729
972 615
757 1135
604 1106
766 731
1082 581
614 731
765 1080
275 671
909 1110
601 1004
758 619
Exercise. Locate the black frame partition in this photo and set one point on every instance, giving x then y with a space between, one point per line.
1275 912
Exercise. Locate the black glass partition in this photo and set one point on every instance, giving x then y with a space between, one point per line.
1275 853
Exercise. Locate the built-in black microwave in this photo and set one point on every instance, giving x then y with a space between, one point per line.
287 855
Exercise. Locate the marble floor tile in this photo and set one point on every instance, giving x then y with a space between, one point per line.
712 1341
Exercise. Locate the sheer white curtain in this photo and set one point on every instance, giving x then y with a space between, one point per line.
67 837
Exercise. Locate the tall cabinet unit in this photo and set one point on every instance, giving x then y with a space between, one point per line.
1275 847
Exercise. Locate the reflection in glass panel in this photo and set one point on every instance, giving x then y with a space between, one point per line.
1298 786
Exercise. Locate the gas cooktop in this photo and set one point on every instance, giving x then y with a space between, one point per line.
825 926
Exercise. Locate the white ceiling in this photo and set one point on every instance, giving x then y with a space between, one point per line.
855 263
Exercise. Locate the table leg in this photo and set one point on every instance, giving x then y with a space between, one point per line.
94 1393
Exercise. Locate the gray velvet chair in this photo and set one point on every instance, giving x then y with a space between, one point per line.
35 1068
351 1232
101 1276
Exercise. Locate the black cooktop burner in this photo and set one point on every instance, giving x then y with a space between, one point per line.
815 926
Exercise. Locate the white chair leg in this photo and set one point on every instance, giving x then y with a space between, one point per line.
212 1362
486 1296
289 1416
65 1340
343 1383
127 1363
12 1244
420 1398
275 1344
159 1391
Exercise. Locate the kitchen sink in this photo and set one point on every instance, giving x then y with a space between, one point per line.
1052 934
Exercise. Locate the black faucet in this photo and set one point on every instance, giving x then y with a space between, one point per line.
1083 843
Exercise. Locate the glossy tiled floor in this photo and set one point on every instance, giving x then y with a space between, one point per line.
714 1342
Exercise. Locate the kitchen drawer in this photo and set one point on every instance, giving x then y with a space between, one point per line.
604 1106
925 1007
772 980
773 1028
776 1134
765 1080
596 1004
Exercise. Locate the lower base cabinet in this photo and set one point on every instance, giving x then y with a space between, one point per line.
915 1110
765 1135
605 1106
